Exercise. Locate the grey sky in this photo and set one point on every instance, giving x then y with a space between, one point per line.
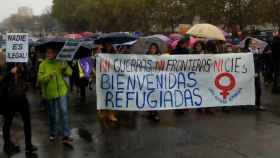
8 7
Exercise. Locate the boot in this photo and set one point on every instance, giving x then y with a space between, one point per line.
11 149
30 148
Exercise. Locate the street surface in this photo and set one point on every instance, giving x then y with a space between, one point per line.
241 133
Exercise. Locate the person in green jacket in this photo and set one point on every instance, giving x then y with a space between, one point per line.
54 89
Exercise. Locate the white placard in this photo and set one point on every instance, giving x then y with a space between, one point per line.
68 51
147 82
17 47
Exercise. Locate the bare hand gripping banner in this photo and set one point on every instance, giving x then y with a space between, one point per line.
151 82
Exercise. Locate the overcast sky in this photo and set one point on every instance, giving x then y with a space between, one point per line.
8 7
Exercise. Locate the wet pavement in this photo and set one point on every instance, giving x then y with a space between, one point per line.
242 133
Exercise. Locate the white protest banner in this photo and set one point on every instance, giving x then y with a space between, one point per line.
17 47
68 51
147 82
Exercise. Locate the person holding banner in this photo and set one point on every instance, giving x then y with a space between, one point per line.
110 115
96 50
211 47
54 88
169 50
124 49
250 46
199 48
108 48
154 50
181 48
229 48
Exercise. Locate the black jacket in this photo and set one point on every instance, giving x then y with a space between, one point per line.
258 62
276 48
15 87
181 51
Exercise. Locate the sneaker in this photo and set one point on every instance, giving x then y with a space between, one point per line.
67 140
52 138
30 148
261 108
156 118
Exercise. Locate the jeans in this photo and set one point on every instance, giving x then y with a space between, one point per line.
58 113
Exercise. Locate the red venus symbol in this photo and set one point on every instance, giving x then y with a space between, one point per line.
225 89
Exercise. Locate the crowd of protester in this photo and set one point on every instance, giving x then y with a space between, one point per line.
50 75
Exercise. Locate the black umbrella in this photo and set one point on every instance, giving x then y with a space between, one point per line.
57 43
84 50
115 38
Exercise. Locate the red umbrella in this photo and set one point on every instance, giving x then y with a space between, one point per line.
87 34
73 36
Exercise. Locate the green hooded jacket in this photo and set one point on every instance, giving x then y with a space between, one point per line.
51 78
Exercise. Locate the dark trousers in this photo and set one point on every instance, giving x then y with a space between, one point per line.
24 111
83 85
83 91
268 68
276 68
258 91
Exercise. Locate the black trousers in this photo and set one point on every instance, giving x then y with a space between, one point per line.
276 68
83 85
24 111
268 68
258 90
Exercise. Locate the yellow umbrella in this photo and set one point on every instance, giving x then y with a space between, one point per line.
207 31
